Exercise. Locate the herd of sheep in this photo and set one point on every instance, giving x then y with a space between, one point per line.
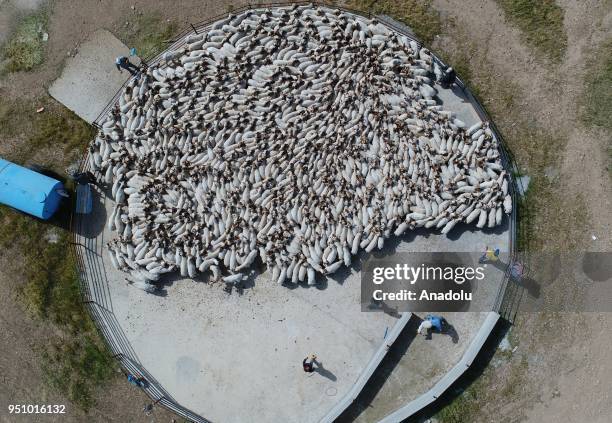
296 135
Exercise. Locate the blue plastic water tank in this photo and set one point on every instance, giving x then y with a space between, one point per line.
28 191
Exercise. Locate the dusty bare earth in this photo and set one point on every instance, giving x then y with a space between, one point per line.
21 377
561 369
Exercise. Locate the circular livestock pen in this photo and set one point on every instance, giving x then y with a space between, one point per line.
295 135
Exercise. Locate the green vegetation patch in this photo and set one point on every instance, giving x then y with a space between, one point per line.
75 360
56 128
13 119
467 406
25 48
61 129
597 101
419 15
76 367
148 34
52 288
541 23
598 88
463 408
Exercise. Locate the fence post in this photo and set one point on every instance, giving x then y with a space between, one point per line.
193 27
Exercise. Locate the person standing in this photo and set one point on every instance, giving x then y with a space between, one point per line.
489 255
424 328
432 323
308 363
122 62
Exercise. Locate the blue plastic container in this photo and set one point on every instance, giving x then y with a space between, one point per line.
28 191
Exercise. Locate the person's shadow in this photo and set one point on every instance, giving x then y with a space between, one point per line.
323 371
523 280
382 306
452 332
447 329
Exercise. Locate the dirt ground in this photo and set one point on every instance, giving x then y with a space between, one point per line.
568 376
21 378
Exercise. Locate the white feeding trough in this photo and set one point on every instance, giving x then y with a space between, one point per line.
300 135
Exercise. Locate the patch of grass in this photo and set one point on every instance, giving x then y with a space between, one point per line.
468 406
12 118
598 88
464 407
541 23
52 288
148 34
513 383
75 368
539 212
61 129
25 48
597 101
57 128
419 15
75 360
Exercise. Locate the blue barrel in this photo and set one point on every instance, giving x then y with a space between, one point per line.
28 191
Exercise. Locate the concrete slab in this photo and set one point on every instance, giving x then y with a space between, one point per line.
90 79
205 346
239 357
412 367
